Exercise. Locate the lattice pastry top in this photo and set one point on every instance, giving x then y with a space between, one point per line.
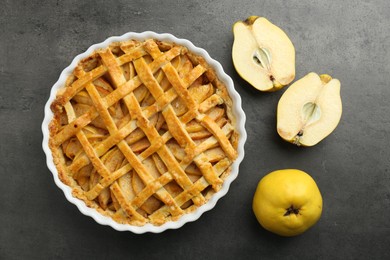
143 132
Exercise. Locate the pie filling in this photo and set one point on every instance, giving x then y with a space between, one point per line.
143 132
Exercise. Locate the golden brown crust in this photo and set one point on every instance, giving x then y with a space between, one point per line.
143 132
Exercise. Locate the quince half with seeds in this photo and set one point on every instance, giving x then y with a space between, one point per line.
263 54
309 110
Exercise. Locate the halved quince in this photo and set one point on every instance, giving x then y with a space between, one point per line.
263 54
309 110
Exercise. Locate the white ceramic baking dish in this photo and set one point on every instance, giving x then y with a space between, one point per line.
237 110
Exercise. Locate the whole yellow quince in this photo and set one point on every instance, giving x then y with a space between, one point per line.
287 202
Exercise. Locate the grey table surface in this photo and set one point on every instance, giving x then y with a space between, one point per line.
349 40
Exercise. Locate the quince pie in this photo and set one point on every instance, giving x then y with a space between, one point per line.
143 132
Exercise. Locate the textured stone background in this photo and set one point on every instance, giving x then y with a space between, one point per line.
349 40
